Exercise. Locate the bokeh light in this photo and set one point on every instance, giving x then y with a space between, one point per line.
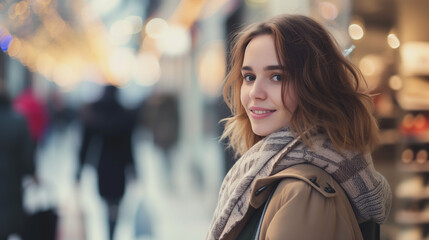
45 64
22 9
120 64
104 6
395 82
356 31
135 23
156 28
146 69
14 47
175 41
371 65
211 69
11 12
65 76
120 31
328 10
27 55
393 40
43 2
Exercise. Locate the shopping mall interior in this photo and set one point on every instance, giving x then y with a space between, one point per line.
168 59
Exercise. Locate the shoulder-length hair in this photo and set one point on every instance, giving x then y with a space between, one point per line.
327 87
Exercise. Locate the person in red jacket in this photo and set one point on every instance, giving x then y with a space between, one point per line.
34 110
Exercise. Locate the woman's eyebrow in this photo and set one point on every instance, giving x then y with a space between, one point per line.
274 67
267 68
246 68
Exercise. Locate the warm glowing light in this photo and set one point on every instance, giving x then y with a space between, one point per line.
415 58
64 76
370 65
328 10
156 28
120 64
135 23
55 27
176 41
422 154
211 69
22 8
44 2
356 31
14 47
146 69
88 16
395 82
104 6
11 12
393 40
408 120
420 121
45 64
120 32
27 55
39 6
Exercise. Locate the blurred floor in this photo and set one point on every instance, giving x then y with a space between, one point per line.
150 208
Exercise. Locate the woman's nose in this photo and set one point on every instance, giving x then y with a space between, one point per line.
258 90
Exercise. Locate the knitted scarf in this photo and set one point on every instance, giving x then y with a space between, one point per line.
368 191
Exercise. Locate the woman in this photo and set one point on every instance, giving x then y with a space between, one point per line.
304 131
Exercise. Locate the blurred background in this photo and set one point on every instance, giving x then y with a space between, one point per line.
153 69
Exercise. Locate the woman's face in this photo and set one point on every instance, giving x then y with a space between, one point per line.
261 88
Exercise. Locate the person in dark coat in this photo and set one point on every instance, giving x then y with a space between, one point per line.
163 121
107 145
16 161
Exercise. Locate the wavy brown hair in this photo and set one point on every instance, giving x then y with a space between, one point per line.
328 87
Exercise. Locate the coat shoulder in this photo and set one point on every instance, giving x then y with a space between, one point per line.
314 176
303 175
307 197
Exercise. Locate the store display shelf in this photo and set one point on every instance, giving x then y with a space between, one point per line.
413 233
413 167
414 138
414 196
411 217
389 136
411 237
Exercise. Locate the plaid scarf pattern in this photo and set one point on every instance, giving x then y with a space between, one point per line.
368 190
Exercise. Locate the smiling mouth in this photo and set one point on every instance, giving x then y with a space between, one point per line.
260 114
262 111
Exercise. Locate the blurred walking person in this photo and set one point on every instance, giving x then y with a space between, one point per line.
163 122
107 145
16 161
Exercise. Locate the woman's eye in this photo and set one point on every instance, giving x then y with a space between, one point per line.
277 78
248 78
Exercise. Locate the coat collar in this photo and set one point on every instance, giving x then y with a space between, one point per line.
320 180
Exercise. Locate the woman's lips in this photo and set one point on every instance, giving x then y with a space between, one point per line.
260 113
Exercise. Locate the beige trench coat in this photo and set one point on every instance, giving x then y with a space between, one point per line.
307 204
